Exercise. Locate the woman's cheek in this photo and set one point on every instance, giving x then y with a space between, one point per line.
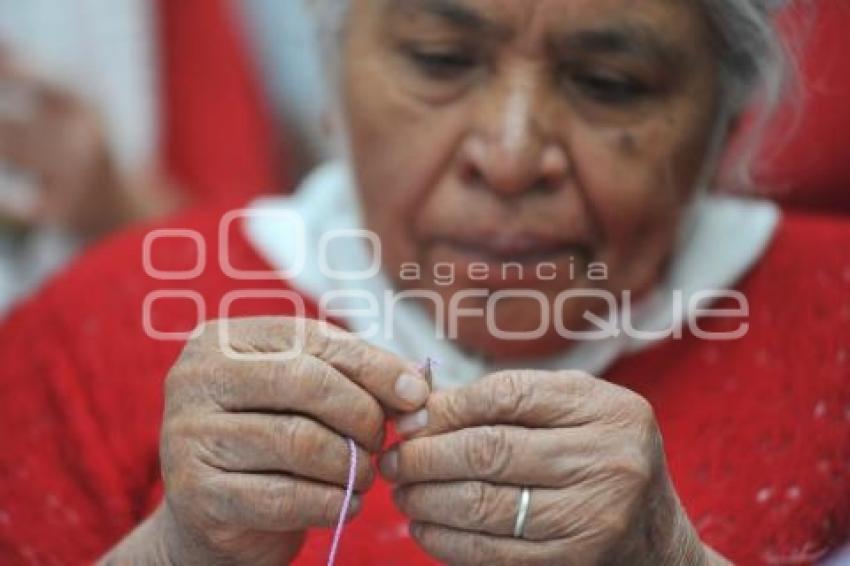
402 163
634 198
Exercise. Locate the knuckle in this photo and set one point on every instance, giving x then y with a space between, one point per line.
575 382
415 458
217 449
184 371
301 367
328 342
357 355
641 410
488 453
580 377
208 501
450 406
294 438
318 338
478 505
220 383
644 425
309 383
632 471
187 439
330 504
172 462
283 503
627 408
631 406
207 329
509 393
211 335
351 356
175 430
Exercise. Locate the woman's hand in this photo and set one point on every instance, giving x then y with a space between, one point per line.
254 453
589 450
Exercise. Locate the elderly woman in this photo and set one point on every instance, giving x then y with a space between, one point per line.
525 199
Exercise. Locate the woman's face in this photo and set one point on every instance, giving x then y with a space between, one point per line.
548 135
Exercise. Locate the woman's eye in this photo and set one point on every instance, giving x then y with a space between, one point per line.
442 65
609 89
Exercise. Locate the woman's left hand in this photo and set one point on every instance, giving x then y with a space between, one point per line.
590 451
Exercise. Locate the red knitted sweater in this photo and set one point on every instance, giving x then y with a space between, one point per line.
757 431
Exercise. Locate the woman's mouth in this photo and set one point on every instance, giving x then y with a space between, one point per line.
521 249
506 261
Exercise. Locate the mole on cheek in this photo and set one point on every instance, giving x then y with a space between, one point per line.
628 144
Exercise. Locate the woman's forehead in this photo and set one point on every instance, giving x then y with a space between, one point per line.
651 26
514 15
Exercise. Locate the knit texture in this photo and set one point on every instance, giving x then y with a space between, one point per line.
757 431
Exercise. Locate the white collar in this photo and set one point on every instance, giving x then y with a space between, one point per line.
725 238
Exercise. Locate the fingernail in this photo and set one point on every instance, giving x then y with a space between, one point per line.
408 424
412 389
389 465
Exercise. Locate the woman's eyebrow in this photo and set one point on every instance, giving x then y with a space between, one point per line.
451 12
619 40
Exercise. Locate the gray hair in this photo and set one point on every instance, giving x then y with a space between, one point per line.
756 70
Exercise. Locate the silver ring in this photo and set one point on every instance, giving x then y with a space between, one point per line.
522 511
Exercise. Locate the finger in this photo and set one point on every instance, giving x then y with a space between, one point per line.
279 443
304 385
498 454
273 503
488 508
452 546
395 383
535 399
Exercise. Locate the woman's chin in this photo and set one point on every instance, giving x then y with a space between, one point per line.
484 343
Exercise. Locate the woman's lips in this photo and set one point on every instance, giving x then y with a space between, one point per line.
564 261
514 249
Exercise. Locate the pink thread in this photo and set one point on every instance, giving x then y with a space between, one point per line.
346 502
352 475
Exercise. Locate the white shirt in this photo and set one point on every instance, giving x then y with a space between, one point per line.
724 239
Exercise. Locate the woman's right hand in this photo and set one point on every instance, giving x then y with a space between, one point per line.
254 453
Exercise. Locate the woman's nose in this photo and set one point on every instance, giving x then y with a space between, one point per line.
509 153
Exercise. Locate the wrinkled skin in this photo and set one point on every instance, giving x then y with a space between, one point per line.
568 131
578 126
591 450
254 453
480 131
